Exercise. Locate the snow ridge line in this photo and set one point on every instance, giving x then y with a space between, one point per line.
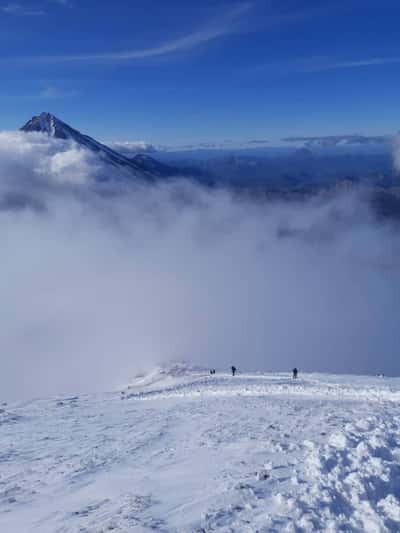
225 386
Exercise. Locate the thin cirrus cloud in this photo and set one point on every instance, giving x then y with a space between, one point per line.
22 10
14 8
227 24
320 64
54 93
337 65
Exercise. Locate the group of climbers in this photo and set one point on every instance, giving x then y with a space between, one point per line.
295 372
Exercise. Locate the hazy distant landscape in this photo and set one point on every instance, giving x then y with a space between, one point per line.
367 165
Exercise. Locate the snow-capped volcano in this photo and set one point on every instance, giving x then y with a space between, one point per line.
48 123
56 128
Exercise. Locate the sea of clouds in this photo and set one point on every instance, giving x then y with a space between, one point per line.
100 281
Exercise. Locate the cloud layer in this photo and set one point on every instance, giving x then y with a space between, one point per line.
337 140
396 153
99 283
131 148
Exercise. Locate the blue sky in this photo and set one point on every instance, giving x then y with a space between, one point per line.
181 72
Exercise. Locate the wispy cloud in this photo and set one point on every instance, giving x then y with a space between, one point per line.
54 93
319 66
14 8
335 140
21 9
258 141
226 24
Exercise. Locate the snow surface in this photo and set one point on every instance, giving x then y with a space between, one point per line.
182 451
47 125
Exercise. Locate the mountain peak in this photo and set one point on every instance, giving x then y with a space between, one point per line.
50 124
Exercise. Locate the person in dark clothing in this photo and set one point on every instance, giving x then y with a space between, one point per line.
233 370
295 372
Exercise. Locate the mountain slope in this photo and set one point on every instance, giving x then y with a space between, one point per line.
184 452
56 128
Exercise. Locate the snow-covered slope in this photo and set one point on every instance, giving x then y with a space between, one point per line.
181 451
56 128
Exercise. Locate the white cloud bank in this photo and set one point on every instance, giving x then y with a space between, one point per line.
98 286
131 148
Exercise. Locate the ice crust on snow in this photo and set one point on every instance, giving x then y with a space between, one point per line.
257 452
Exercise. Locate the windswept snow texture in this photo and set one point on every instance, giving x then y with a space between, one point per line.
182 451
